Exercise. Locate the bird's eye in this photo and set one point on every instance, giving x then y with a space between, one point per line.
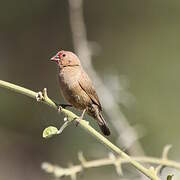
64 55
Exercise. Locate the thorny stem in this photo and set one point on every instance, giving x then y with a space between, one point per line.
58 171
83 124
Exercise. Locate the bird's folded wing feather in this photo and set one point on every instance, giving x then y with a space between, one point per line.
87 85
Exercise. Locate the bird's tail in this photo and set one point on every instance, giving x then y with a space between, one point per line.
103 125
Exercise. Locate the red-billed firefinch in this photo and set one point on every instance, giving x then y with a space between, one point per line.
77 88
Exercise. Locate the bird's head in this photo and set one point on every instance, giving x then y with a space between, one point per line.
66 58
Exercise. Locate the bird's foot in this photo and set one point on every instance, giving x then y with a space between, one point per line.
77 121
63 105
80 118
60 106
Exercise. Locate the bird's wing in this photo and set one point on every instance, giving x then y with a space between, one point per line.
87 85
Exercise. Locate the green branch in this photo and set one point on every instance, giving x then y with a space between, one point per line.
42 97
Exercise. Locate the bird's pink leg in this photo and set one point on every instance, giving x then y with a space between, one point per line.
81 117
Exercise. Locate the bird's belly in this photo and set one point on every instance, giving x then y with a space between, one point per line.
73 93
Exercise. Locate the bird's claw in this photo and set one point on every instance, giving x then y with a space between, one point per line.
60 106
39 96
77 121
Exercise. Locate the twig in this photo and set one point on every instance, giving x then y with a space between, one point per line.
110 104
83 124
58 171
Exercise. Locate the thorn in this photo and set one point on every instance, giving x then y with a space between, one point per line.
153 170
44 92
59 109
81 159
65 119
111 156
166 151
73 173
118 168
47 167
117 163
73 176
39 96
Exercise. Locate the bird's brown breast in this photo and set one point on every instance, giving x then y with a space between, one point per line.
71 90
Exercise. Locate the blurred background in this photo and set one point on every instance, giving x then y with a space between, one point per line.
136 42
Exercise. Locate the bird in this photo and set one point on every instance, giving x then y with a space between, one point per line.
77 88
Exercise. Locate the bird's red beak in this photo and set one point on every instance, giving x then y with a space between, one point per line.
55 58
